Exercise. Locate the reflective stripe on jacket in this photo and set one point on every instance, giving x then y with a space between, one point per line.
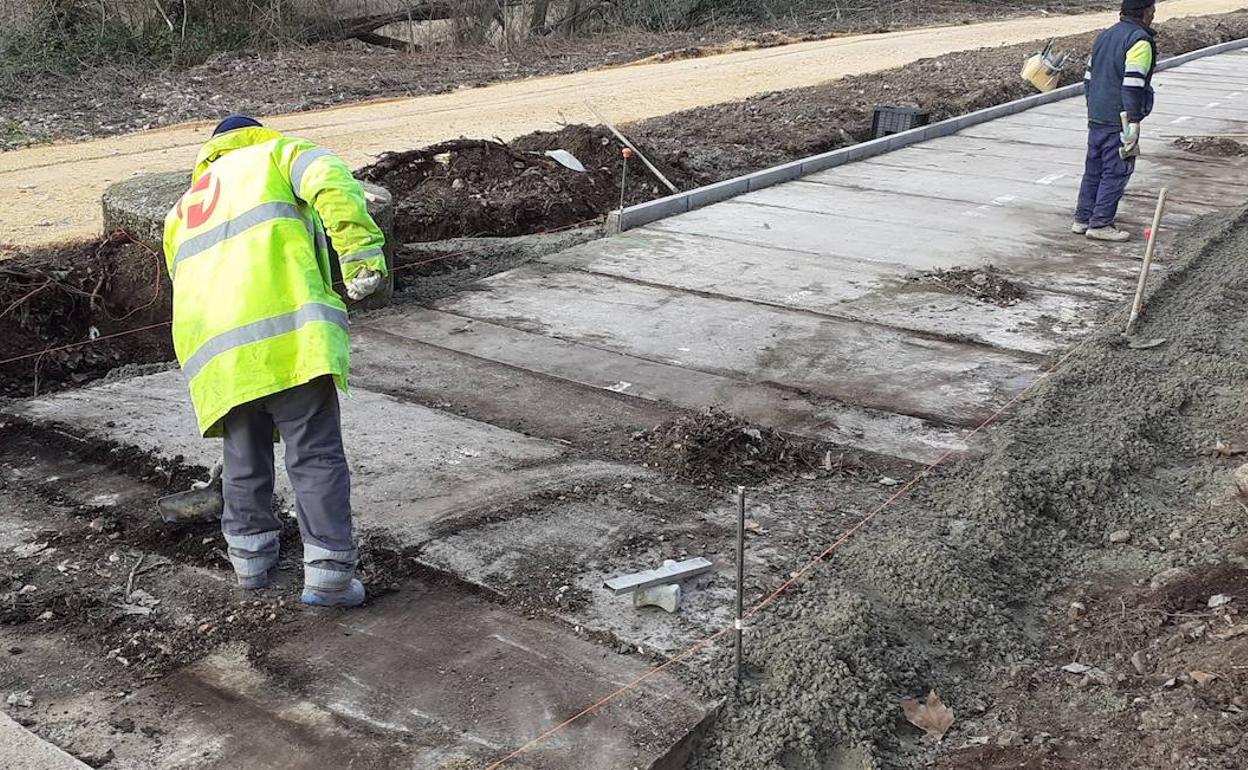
1120 74
254 309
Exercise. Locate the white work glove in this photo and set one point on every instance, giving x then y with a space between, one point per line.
214 477
1130 142
363 284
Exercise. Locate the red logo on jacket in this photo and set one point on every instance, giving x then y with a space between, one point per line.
196 206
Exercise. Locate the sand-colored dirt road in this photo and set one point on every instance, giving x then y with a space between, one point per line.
52 192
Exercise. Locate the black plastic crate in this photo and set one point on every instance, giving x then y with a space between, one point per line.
894 120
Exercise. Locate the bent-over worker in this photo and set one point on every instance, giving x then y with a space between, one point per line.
262 338
1119 80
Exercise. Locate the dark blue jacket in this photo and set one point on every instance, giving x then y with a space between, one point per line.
1116 85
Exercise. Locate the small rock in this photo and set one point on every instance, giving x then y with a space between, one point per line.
28 589
1009 738
1076 611
1176 535
1194 629
46 616
1168 576
1218 600
21 700
889 481
1139 661
122 725
1120 536
1203 678
97 758
1241 479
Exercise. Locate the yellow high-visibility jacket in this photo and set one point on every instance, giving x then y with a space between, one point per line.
254 309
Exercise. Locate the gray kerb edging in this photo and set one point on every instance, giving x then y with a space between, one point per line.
681 203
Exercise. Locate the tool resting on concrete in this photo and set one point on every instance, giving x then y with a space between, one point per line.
659 587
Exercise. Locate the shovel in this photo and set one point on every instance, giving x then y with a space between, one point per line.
1137 307
202 503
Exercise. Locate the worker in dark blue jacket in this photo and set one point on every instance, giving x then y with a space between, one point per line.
1119 81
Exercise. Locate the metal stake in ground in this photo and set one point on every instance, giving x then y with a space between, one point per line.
738 626
627 153
1138 305
624 140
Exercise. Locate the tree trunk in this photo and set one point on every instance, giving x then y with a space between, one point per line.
537 22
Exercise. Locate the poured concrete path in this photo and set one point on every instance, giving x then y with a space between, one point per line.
475 431
806 289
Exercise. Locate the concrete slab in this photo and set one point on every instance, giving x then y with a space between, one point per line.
1045 255
413 468
1056 195
806 414
23 750
864 365
433 677
840 287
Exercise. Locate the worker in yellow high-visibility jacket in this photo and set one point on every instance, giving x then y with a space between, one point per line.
262 338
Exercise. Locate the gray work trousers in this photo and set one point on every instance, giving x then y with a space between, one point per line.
308 419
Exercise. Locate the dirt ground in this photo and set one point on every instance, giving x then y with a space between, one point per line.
102 101
472 188
57 297
1076 597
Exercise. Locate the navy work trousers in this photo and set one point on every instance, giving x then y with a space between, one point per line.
1105 177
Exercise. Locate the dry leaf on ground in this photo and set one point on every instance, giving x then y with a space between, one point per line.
932 715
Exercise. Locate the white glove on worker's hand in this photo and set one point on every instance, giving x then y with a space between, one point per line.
1130 142
214 477
365 283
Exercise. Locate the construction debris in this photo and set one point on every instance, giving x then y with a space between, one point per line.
983 283
1212 146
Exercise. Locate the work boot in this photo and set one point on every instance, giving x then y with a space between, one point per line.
329 578
1079 228
253 556
1108 233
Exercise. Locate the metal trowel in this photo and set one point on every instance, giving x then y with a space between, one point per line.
202 503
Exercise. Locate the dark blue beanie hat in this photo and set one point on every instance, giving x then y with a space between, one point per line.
235 122
1136 6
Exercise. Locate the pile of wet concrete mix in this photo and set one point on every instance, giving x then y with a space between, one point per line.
943 592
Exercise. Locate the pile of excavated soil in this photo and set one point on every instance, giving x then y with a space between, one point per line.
1212 146
62 296
472 187
942 591
467 188
984 284
716 446
713 143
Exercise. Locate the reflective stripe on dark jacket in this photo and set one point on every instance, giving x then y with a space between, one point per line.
1120 74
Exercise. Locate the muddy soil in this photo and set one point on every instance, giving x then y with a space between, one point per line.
60 308
1165 685
723 141
1212 146
106 100
984 284
470 188
1108 469
714 447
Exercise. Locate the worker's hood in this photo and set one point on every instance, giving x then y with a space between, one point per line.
228 142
